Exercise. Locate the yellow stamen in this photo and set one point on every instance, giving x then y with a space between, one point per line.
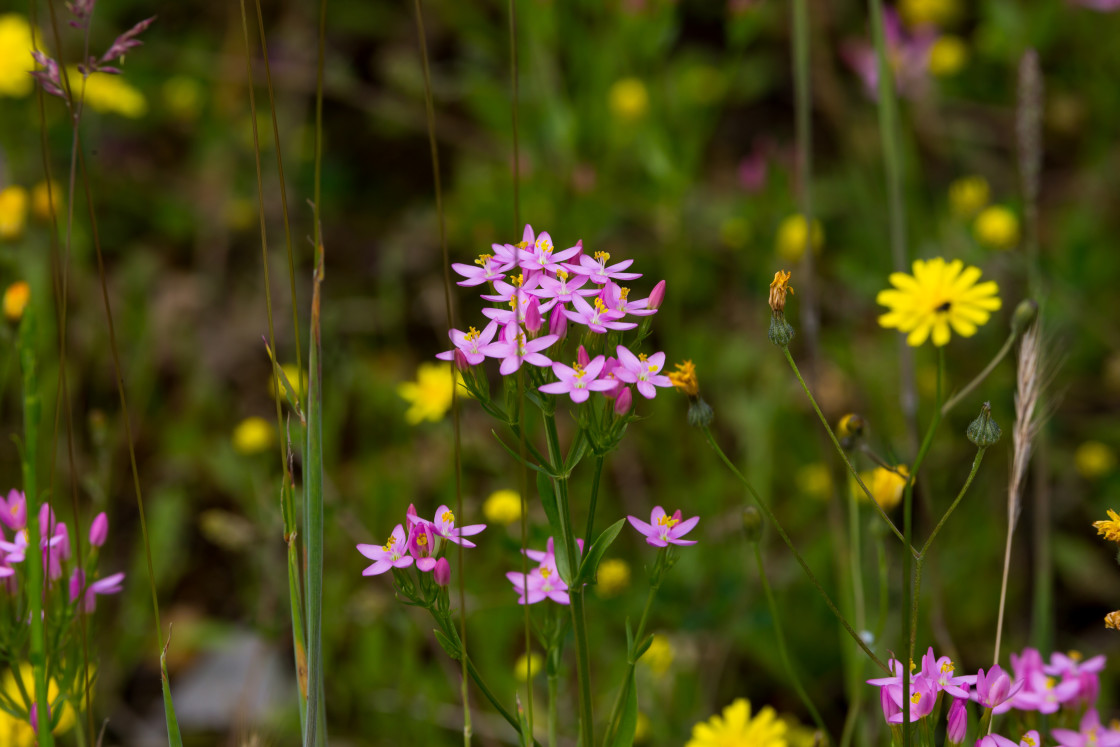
1075 655
546 572
483 259
522 244
602 256
578 369
948 667
517 281
599 305
562 274
916 698
545 245
1028 740
389 545
422 540
667 521
623 294
448 516
472 334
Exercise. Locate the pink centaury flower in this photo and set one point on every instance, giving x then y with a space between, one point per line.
474 345
664 530
1091 733
578 381
393 554
642 371
995 690
13 511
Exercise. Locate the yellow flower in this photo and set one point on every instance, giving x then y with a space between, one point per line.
613 577
527 666
938 295
928 12
1110 528
1112 620
684 379
252 435
1094 459
110 94
13 211
814 480
502 507
16 63
429 396
997 228
16 298
792 236
886 486
43 198
641 729
968 195
629 100
18 732
736 728
947 56
659 656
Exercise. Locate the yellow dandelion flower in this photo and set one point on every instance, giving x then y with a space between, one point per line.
939 295
13 212
527 666
429 396
659 656
612 578
1110 528
814 480
736 728
16 298
502 507
253 435
969 195
16 63
792 236
1094 459
44 198
18 732
111 94
886 486
629 100
684 379
997 228
947 56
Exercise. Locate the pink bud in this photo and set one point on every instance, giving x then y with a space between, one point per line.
46 521
533 320
958 721
13 512
656 296
460 359
77 582
622 404
442 572
558 322
99 530
582 357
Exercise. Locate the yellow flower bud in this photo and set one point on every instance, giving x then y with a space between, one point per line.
629 100
527 666
659 656
252 435
792 236
613 577
1094 459
886 486
502 507
997 228
44 198
968 195
947 56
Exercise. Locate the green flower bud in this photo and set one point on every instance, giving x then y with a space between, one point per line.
984 431
752 523
781 332
1025 314
699 413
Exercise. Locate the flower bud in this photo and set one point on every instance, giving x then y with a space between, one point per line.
460 358
623 402
752 523
656 296
533 320
850 429
984 431
99 530
1025 314
582 357
442 572
699 413
558 322
958 722
781 332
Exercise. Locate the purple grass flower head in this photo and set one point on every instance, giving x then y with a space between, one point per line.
48 75
542 257
641 371
1046 694
393 554
101 587
81 10
617 298
563 287
442 572
487 268
474 345
923 697
596 268
125 43
995 689
940 671
624 402
558 322
664 530
99 530
444 524
13 511
578 381
957 721
597 317
1091 733
515 350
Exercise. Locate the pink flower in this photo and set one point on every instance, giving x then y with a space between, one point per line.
1091 733
540 255
540 584
596 268
995 690
442 572
642 371
1062 665
13 512
957 721
616 298
995 740
940 671
444 524
563 287
907 54
598 318
474 345
1104 6
423 543
923 697
578 381
390 555
623 403
513 350
896 669
99 530
1045 694
101 587
664 530
488 267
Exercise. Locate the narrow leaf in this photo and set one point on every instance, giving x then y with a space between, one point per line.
552 511
595 554
628 721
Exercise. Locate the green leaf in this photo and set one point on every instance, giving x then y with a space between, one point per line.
289 390
643 646
579 450
595 554
552 511
628 720
448 645
174 738
515 455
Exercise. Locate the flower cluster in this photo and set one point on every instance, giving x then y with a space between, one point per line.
57 554
537 292
543 582
421 544
48 72
1067 684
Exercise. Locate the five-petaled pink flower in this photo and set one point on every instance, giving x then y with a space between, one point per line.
642 371
393 554
664 530
579 381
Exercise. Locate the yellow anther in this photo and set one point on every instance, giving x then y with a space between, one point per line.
448 516
545 245
389 545
1028 740
916 698
1075 655
562 273
472 334
599 305
483 259
623 294
579 372
1049 683
422 540
522 244
602 256
519 280
948 667
642 357
546 572
667 521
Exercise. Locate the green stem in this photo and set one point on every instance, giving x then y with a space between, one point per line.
616 710
1003 351
789 543
859 601
589 534
779 635
953 507
840 449
553 711
579 621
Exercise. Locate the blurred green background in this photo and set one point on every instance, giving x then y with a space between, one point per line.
659 131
